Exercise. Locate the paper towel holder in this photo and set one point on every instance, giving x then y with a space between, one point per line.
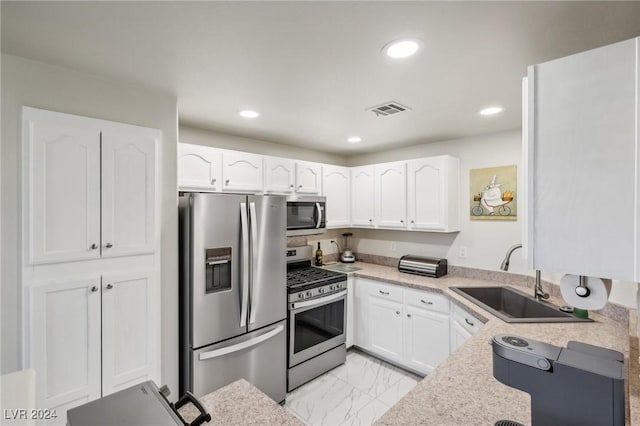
582 290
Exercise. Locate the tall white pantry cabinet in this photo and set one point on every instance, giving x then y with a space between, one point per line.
91 277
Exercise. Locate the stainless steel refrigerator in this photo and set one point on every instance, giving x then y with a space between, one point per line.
233 292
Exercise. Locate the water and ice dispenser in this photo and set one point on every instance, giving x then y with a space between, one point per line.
581 384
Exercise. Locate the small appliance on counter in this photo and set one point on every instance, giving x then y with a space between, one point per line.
347 255
427 266
581 384
139 405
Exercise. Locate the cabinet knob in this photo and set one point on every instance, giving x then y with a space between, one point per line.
401 221
385 293
291 186
108 245
213 181
94 289
397 312
370 220
109 286
226 182
413 221
299 186
408 315
94 246
426 302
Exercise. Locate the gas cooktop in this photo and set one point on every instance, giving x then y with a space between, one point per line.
310 277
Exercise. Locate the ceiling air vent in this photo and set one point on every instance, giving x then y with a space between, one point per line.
388 108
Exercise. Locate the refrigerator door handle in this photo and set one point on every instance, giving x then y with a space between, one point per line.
245 265
254 260
319 209
240 346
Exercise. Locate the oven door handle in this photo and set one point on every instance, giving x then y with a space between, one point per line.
318 302
319 209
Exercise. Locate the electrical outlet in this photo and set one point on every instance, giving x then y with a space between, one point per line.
392 246
462 253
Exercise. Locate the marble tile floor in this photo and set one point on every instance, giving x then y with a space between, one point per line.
358 392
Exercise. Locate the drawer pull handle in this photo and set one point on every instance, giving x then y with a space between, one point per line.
386 293
425 302
468 322
397 312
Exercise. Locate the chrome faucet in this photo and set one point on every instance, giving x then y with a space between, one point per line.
538 293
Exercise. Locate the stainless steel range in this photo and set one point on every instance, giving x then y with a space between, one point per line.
317 316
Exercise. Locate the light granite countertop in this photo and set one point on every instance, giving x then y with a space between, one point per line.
462 390
241 403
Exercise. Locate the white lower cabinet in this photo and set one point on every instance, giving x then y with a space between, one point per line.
406 326
463 326
92 336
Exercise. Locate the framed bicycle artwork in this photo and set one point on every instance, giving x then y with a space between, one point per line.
493 193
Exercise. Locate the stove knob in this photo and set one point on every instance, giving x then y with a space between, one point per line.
321 290
308 294
300 295
333 287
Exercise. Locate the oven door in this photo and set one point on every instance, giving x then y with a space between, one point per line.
316 326
306 216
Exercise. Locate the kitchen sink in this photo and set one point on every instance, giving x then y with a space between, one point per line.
513 306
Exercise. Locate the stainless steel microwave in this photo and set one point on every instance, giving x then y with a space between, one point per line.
306 215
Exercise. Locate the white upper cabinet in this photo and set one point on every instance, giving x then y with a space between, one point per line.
199 168
336 186
279 175
391 195
129 187
241 172
77 206
583 163
63 170
362 196
308 178
433 194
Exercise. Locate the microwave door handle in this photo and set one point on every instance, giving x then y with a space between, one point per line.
319 215
254 261
244 273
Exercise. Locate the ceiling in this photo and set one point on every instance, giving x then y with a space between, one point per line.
311 68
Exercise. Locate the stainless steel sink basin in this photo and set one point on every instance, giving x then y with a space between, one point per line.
513 306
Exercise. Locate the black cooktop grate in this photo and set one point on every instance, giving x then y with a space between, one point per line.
311 277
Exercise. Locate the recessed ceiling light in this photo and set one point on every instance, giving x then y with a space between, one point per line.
247 113
491 110
403 48
354 139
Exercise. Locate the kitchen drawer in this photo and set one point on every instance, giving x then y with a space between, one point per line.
386 291
466 320
427 300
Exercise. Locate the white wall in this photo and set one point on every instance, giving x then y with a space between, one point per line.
26 82
205 137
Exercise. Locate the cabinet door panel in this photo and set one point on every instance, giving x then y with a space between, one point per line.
199 167
583 157
64 179
336 182
130 330
241 171
129 186
308 178
426 339
362 196
385 328
64 326
391 195
279 175
459 335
